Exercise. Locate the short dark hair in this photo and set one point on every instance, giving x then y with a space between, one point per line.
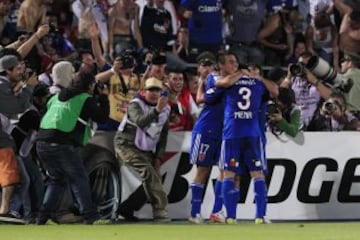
222 54
338 94
355 16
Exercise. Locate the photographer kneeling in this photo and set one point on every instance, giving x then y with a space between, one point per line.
284 116
333 116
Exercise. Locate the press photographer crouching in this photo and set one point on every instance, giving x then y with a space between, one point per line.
333 116
284 114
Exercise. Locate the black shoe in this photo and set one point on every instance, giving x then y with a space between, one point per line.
128 215
10 219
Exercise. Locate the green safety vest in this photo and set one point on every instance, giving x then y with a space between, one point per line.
63 116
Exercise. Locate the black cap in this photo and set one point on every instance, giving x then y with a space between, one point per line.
206 58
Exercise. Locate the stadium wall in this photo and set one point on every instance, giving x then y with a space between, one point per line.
315 176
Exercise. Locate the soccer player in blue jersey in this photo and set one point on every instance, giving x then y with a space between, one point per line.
242 140
207 135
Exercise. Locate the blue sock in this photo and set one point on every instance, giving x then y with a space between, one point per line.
196 197
218 197
228 197
260 196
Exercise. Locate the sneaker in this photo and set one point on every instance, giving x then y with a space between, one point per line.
128 215
162 219
218 217
263 220
197 219
68 218
230 221
10 219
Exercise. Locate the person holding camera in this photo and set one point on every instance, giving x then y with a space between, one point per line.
332 116
284 115
306 94
64 129
350 67
141 140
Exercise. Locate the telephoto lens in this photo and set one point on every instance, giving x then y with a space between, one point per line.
330 106
297 69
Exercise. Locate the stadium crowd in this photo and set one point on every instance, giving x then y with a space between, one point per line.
154 58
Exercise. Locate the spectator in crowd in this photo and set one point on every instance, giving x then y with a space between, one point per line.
29 195
319 7
332 115
4 14
9 171
276 36
169 5
156 68
192 81
298 49
156 28
17 99
82 9
284 115
183 107
182 44
246 18
87 62
322 39
123 18
141 140
63 130
307 95
350 67
205 25
349 30
32 14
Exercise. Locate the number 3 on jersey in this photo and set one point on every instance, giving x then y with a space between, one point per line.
245 93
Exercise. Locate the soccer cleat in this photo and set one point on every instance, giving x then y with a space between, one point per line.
197 219
218 217
263 220
230 221
101 222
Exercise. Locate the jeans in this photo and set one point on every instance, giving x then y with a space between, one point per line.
64 165
30 193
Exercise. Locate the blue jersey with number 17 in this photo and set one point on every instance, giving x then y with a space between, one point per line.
210 121
242 107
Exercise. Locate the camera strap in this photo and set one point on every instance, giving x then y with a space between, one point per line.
124 87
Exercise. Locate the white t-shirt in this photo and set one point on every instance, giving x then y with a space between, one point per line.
317 6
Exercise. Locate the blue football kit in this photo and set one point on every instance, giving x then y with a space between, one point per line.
207 132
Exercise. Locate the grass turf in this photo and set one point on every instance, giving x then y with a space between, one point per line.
184 231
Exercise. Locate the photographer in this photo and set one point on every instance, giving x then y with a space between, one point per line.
284 115
350 67
302 82
333 116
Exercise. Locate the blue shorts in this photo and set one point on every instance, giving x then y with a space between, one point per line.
205 151
243 154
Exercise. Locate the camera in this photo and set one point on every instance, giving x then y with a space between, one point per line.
330 106
164 93
127 61
272 108
297 69
323 70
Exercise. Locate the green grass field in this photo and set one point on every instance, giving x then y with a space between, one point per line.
184 231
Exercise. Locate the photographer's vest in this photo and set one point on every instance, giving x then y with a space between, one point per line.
120 95
63 116
147 138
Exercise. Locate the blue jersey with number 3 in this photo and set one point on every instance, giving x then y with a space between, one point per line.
242 107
